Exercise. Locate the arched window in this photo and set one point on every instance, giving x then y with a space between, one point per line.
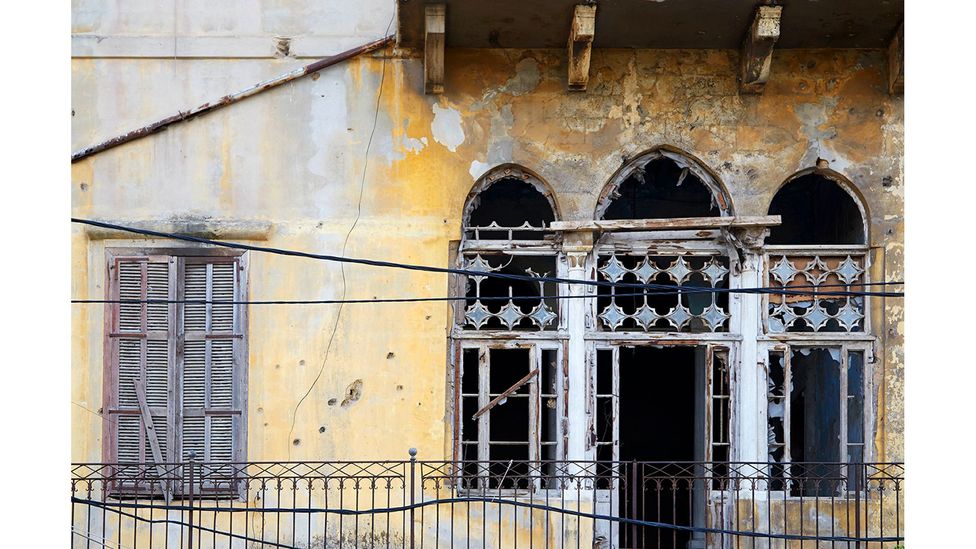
663 183
821 242
508 385
815 210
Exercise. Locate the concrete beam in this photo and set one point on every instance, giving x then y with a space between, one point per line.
580 45
434 26
757 49
896 62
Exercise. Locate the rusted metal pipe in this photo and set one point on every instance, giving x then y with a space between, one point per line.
229 99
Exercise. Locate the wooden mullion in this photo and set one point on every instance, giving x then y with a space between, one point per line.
240 359
484 371
208 363
171 346
178 328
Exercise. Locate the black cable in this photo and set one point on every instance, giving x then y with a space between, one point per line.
468 272
443 501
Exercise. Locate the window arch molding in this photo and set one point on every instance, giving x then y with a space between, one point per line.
843 183
681 158
500 173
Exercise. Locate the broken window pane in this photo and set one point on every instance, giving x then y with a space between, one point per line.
721 416
815 418
660 189
776 416
815 210
855 417
548 395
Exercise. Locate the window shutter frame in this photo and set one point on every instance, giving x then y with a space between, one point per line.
173 411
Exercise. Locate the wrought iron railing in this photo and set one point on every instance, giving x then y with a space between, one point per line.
554 504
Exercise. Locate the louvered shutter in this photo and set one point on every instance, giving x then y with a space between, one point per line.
212 334
142 349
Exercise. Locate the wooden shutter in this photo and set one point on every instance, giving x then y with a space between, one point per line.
142 349
212 360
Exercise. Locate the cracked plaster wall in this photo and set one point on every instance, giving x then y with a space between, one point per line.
294 156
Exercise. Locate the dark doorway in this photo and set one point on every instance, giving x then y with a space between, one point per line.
658 423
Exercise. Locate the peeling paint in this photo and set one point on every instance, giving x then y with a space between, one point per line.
446 127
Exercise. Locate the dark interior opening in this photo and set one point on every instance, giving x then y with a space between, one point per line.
511 202
815 420
662 189
657 423
815 210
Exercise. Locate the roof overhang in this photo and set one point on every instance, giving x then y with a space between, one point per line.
706 24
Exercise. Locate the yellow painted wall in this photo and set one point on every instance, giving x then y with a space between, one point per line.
296 157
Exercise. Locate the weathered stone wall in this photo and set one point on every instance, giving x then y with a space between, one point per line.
296 157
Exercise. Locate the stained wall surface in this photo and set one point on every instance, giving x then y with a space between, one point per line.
356 159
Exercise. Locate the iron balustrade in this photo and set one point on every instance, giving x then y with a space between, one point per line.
480 504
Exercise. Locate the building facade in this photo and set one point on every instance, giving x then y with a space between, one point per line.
671 232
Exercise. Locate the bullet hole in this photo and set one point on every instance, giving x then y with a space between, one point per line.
72 112
887 181
850 110
84 186
322 429
419 403
353 393
880 113
399 387
811 64
265 424
390 355
99 411
315 76
803 85
260 409
296 442
332 402
277 366
301 362
427 317
890 232
318 225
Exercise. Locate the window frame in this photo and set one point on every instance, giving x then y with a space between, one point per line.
868 404
177 258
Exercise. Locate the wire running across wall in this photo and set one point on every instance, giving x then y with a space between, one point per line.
792 290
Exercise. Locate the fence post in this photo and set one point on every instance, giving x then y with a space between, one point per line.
193 456
413 467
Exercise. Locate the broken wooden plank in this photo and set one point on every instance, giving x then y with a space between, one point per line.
505 394
434 27
896 62
757 49
580 44
147 422
665 224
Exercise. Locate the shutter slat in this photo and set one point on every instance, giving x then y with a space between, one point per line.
130 287
129 436
222 315
157 313
129 370
195 288
157 372
221 438
222 373
194 374
194 434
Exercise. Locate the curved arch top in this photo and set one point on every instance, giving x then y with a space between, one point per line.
818 206
511 173
685 164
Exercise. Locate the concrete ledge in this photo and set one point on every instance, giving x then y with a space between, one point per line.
200 227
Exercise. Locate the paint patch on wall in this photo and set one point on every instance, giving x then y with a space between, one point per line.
446 127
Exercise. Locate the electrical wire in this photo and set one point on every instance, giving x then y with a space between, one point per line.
489 274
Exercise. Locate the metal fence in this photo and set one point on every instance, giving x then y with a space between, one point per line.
550 504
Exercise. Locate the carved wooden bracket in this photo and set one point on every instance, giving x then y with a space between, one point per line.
896 62
757 49
580 45
434 26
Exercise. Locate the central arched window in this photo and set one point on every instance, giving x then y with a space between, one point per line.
662 184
